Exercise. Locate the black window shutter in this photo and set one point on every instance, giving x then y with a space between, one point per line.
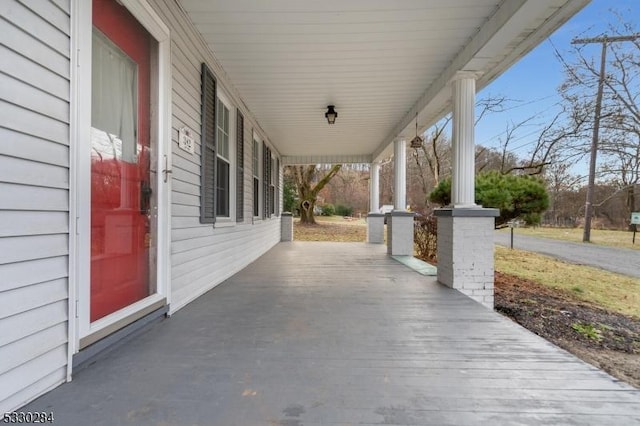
269 167
266 159
277 171
240 168
208 148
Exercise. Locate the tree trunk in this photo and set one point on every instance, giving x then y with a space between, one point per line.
306 212
631 203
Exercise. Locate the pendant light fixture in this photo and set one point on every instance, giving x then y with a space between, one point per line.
331 114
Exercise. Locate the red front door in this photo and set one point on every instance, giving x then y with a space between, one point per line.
121 194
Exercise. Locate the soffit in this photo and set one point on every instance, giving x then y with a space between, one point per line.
378 61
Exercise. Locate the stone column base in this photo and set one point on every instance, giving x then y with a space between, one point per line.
465 251
375 228
286 224
400 233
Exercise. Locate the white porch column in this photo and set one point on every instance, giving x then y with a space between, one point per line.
400 175
400 221
463 91
375 219
374 188
465 230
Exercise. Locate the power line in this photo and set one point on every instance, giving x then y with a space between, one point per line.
605 39
536 115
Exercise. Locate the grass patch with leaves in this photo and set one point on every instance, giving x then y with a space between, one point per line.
331 228
620 239
612 291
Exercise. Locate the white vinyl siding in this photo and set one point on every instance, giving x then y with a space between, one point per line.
202 255
34 206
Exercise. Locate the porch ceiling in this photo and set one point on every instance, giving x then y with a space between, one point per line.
378 61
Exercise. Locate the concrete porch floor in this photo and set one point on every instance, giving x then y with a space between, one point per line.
337 333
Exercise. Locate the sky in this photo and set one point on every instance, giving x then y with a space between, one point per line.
533 81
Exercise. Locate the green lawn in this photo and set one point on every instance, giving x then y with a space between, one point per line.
620 239
331 228
612 291
341 220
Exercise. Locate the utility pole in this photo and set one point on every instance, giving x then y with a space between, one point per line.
604 40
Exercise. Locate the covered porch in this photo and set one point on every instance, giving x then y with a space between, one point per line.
337 333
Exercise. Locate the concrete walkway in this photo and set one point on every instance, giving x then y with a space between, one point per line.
619 260
338 334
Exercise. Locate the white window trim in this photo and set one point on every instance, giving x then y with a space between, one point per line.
80 183
272 184
228 221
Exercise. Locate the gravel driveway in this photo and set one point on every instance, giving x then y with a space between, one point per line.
622 261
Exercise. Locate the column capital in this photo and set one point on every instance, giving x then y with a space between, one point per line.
465 75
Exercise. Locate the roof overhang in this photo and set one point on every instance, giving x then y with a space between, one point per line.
379 62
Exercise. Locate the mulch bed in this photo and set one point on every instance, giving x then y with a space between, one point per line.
608 340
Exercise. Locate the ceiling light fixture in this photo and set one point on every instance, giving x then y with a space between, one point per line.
418 140
331 114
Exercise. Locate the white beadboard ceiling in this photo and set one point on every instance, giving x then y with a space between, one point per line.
378 61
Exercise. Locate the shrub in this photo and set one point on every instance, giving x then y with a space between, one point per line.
328 210
425 237
344 210
516 196
289 197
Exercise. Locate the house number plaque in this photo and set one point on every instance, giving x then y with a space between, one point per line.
185 140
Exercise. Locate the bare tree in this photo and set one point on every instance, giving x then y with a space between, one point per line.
350 187
619 127
430 159
555 140
562 186
386 182
492 159
308 184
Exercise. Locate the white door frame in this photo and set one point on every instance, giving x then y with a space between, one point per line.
80 172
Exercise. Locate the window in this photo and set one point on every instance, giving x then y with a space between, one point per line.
256 178
222 162
208 148
239 167
266 181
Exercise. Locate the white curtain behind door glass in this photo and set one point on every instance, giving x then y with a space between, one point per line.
113 101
